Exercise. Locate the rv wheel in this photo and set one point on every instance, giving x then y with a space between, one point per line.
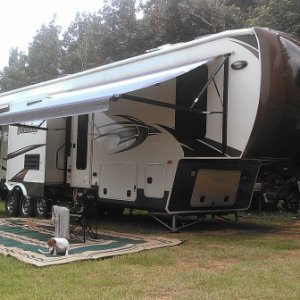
12 203
26 207
42 207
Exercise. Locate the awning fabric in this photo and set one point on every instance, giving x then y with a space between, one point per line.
83 101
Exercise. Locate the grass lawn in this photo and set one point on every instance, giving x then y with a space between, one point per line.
257 258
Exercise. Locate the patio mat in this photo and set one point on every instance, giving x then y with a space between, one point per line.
22 239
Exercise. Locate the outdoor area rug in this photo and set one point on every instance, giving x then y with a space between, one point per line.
22 239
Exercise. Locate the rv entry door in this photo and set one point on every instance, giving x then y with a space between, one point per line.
80 152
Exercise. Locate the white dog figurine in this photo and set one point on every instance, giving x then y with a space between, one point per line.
57 246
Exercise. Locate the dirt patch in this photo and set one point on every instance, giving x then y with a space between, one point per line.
211 266
221 265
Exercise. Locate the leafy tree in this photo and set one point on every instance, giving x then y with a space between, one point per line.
243 4
121 35
15 74
111 34
282 15
115 32
77 44
44 53
172 21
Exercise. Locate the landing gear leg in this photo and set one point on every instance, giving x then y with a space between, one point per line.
236 216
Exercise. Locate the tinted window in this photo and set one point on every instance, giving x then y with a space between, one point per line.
188 86
32 162
82 142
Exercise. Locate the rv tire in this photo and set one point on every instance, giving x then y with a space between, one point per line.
42 207
26 207
12 203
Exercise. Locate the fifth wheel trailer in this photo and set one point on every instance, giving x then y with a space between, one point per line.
182 129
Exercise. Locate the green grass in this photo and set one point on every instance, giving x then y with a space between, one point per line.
257 258
2 209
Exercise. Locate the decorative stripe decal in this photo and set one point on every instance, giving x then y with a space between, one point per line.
23 150
20 176
133 130
250 48
249 39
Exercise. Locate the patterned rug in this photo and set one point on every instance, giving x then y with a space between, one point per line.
22 239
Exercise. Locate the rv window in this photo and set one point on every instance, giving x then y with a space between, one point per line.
32 162
188 86
82 142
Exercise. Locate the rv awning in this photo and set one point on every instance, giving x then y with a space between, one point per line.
76 102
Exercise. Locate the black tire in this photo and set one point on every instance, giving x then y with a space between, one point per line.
3 191
26 207
42 207
12 203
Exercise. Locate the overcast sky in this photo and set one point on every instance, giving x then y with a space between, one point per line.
20 19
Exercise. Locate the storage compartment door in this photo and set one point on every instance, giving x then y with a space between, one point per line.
215 188
118 181
155 180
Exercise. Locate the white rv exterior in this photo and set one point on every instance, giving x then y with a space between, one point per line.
3 152
181 130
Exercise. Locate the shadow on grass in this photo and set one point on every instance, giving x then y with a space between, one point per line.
141 222
144 223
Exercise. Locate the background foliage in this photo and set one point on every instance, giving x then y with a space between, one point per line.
125 28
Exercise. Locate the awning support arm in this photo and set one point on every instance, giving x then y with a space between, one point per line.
225 106
30 126
162 104
212 76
